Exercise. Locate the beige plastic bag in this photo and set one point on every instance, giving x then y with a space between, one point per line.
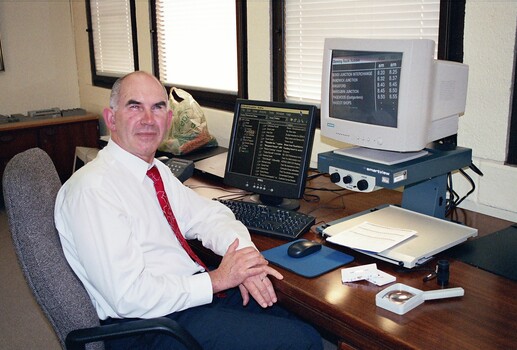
189 129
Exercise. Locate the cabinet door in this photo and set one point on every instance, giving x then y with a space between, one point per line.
13 142
60 141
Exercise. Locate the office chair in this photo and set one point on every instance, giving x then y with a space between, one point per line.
30 186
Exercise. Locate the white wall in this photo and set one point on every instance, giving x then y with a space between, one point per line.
490 28
39 56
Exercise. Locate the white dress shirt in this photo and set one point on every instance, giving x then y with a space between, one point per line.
118 242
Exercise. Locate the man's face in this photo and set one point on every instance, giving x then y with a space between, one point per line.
142 117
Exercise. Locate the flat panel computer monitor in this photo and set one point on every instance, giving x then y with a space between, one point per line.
390 95
270 150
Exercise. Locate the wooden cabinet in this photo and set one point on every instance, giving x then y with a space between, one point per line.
56 136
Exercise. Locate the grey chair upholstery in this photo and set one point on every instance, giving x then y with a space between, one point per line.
30 186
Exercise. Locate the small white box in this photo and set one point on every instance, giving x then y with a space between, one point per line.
358 273
381 278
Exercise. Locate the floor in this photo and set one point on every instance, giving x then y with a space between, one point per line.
22 324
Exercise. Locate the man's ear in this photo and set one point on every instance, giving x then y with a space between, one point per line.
169 119
109 118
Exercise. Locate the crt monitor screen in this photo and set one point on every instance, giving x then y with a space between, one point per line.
364 86
270 149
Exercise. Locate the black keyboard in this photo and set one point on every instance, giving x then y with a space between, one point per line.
269 220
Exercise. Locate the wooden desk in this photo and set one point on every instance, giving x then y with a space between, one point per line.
485 318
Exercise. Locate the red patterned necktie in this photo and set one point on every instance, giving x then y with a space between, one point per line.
169 215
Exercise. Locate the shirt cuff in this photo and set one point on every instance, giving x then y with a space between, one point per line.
202 291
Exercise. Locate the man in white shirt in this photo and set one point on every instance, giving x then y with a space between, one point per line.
119 243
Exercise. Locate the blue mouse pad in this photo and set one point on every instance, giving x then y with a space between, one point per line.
309 266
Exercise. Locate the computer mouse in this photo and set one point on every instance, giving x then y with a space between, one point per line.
300 249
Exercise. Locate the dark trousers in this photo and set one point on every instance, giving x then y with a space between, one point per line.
226 324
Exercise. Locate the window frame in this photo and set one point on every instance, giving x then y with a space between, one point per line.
104 80
450 39
511 156
206 98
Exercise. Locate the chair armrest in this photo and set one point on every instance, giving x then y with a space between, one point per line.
77 339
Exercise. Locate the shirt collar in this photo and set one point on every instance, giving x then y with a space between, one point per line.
135 165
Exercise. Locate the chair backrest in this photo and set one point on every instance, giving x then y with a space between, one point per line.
30 186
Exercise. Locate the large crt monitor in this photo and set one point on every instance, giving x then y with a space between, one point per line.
270 149
390 94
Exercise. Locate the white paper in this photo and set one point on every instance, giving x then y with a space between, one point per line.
371 237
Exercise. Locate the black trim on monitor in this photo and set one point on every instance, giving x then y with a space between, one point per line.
270 149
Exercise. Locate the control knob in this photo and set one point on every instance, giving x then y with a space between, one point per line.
362 185
334 177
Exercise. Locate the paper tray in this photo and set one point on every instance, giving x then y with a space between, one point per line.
433 234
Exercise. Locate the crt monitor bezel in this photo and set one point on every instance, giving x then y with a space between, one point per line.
414 118
280 189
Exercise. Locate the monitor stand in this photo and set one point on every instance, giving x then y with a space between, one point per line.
284 203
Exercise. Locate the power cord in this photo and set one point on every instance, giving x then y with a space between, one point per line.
454 199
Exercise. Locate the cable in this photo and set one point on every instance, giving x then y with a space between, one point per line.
323 189
315 198
316 175
455 200
472 184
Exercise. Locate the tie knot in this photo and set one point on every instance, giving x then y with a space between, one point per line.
154 174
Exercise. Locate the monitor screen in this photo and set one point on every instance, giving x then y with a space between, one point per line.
270 149
389 95
364 86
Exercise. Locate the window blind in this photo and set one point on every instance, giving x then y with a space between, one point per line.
309 22
197 44
112 37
